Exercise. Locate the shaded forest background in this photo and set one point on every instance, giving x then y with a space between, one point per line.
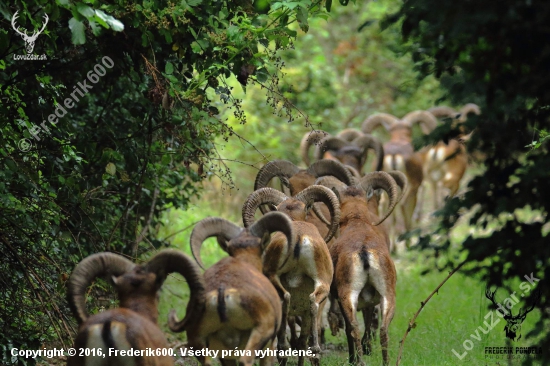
203 92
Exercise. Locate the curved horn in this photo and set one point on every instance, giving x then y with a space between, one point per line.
367 142
326 167
169 261
283 169
427 120
331 167
275 221
329 143
310 138
256 199
349 134
381 180
401 180
331 182
275 168
206 228
320 215
378 119
467 109
96 265
318 193
443 112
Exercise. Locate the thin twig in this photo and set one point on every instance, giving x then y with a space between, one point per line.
26 269
149 219
138 190
179 231
412 323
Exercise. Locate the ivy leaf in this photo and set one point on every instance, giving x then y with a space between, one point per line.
172 78
169 68
108 21
116 25
77 30
100 19
85 10
290 32
199 46
196 47
292 5
262 75
301 16
96 29
233 32
111 169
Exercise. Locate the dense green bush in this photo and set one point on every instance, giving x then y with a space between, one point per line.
130 144
495 54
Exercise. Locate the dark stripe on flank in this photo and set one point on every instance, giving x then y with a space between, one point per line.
107 335
434 155
221 304
298 247
393 162
364 255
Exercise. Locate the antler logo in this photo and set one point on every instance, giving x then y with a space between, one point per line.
513 322
29 40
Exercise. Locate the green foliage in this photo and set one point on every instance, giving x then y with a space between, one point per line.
495 54
536 144
336 77
157 79
112 128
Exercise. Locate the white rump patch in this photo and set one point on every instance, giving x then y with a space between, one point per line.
118 334
441 154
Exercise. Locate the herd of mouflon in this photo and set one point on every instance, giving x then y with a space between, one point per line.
323 244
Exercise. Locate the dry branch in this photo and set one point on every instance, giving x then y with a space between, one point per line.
412 323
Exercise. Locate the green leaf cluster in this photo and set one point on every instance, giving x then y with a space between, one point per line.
137 134
495 54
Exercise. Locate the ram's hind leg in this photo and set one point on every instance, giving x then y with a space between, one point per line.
285 296
318 296
386 289
306 331
335 319
387 306
348 304
259 338
293 323
321 325
366 341
270 359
